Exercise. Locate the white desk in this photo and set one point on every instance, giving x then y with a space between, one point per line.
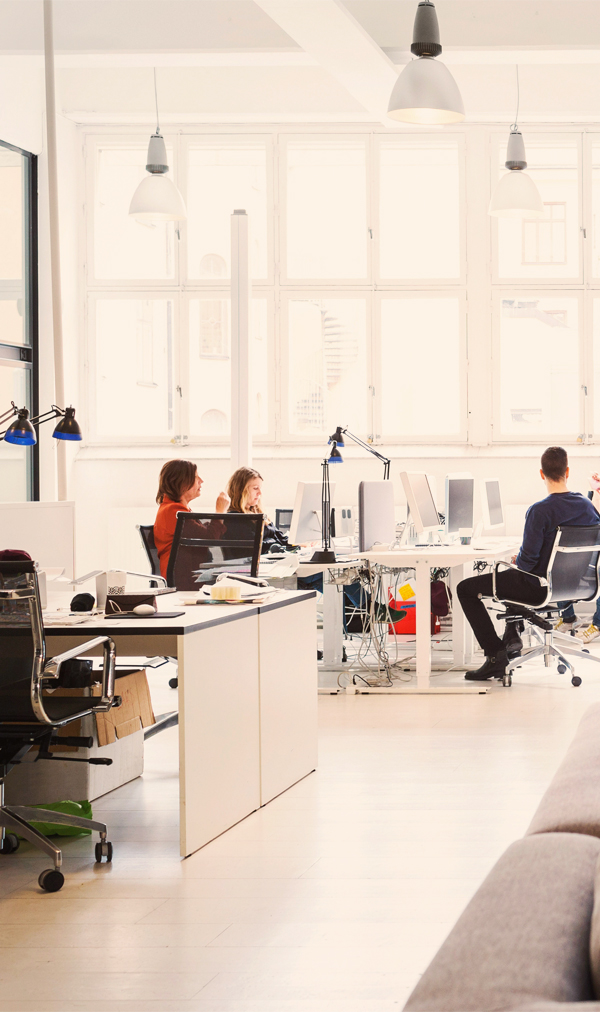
423 560
247 700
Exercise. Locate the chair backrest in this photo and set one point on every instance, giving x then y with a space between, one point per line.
207 544
573 566
147 536
22 646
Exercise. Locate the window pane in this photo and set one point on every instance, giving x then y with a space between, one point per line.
224 177
125 248
539 366
14 460
419 198
12 302
596 209
134 368
326 209
328 378
547 247
420 339
210 367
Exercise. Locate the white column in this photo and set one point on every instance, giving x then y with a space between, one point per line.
59 378
241 433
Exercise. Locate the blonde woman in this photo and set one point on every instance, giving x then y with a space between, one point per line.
245 490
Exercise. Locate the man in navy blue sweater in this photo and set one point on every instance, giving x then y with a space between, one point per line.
559 507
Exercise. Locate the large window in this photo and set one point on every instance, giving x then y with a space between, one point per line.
18 314
383 295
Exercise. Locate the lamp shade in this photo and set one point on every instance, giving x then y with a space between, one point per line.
21 432
335 456
426 93
338 437
67 427
516 196
157 199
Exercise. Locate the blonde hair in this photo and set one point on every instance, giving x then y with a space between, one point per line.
237 490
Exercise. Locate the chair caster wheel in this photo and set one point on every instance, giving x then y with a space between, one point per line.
173 683
507 681
9 844
584 650
576 680
51 880
561 668
104 849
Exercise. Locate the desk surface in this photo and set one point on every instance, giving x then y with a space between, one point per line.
195 617
442 555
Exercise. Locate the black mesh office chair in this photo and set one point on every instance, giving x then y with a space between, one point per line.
29 715
207 544
572 575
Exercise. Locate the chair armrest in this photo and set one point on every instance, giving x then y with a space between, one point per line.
510 565
52 667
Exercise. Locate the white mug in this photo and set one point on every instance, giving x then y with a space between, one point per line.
111 582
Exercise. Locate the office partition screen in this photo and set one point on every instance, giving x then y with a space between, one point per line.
19 480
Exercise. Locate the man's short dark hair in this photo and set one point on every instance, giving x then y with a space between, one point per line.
555 463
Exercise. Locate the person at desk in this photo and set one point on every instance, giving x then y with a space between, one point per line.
179 483
244 489
559 507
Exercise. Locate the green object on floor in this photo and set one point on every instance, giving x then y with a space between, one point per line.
81 808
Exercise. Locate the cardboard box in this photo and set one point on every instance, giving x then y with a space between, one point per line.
134 713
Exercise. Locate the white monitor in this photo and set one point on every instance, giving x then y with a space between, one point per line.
491 504
306 516
423 511
460 499
376 514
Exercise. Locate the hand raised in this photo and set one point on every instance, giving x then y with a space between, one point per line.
223 501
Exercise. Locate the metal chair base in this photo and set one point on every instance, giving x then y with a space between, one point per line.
16 819
549 652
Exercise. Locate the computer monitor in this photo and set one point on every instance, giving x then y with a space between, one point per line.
306 516
283 519
491 504
460 495
423 511
376 514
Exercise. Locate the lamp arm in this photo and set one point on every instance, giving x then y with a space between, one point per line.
12 411
47 416
366 446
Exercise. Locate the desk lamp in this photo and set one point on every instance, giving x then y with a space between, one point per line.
22 433
337 439
326 555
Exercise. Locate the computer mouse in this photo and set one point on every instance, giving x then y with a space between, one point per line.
144 609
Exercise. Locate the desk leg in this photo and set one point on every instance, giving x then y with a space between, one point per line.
333 623
423 617
462 635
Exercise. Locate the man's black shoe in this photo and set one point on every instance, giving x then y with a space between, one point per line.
511 641
494 667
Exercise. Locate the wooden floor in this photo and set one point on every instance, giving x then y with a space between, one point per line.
333 897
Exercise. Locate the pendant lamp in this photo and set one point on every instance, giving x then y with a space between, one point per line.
157 198
516 195
425 91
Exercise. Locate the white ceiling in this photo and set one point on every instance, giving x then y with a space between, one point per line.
312 60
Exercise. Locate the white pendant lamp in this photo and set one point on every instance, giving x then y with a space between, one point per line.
516 195
425 91
157 198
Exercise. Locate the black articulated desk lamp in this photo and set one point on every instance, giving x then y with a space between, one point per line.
326 555
338 440
22 433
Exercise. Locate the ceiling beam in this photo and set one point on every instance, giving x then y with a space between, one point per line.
328 32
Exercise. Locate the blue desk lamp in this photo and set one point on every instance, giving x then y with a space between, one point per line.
22 433
337 439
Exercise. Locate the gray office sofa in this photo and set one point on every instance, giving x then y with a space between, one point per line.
529 940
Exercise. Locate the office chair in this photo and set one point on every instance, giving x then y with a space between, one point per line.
147 536
207 544
29 715
572 575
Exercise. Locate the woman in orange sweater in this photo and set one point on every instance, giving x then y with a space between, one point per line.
179 483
